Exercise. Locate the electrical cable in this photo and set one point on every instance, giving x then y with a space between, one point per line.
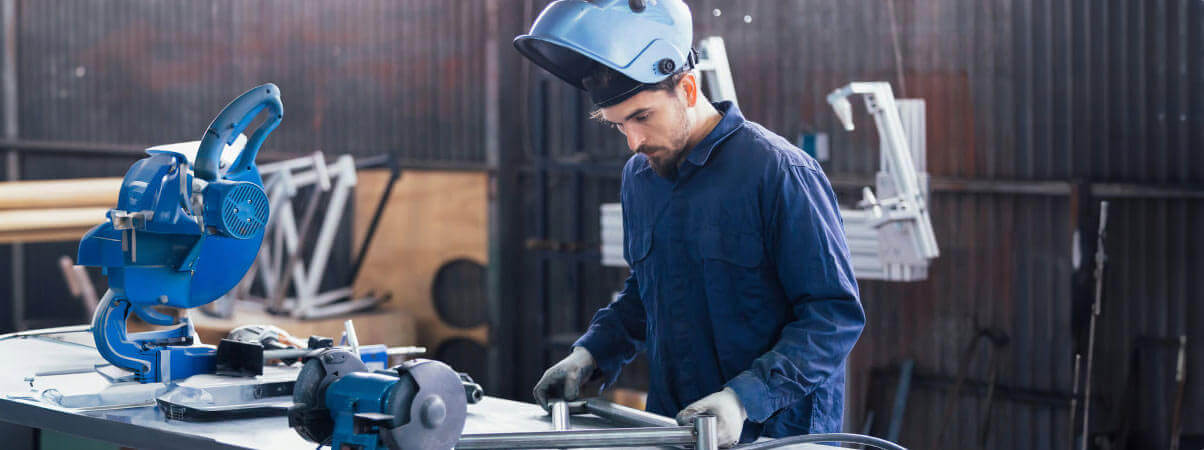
847 438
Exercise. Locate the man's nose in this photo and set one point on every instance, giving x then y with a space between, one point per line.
634 141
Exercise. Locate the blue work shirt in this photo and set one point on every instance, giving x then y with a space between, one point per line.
740 277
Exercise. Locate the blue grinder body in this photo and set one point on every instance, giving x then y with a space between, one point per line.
182 235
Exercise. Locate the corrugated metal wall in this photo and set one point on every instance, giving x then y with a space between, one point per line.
1032 104
364 77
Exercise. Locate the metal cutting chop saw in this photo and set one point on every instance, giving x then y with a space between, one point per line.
185 230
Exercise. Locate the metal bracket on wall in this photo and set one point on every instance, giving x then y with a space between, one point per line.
890 233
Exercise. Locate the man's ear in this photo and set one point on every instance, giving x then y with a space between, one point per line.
690 84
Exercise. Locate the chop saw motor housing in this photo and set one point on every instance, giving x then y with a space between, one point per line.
184 232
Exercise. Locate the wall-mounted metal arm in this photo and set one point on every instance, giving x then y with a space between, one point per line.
899 210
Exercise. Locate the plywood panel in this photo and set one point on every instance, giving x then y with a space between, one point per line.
432 217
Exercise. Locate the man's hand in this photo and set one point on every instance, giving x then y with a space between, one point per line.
728 411
564 379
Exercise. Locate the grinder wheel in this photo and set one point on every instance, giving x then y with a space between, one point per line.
428 405
311 419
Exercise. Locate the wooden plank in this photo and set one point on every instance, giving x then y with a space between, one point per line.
40 220
432 217
59 193
58 235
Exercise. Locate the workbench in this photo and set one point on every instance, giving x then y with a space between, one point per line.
146 426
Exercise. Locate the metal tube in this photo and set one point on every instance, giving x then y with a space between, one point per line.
409 350
46 331
704 430
1100 258
616 437
290 353
352 340
560 415
626 416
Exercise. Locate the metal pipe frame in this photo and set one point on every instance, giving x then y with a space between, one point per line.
620 414
701 435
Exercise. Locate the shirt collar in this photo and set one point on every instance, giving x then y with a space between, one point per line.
732 120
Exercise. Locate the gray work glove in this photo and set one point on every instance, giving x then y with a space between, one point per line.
728 411
564 380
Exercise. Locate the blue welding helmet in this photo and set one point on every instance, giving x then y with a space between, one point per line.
645 40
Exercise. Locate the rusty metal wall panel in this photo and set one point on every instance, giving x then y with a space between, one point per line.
1151 293
1005 264
1016 89
358 77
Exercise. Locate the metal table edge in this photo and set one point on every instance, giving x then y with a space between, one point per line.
121 433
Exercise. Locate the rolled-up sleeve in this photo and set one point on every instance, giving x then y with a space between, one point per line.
805 237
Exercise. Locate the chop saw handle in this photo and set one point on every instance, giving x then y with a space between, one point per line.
230 123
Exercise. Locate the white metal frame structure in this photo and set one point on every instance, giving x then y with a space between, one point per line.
281 261
890 234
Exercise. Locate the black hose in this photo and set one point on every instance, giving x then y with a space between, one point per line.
847 438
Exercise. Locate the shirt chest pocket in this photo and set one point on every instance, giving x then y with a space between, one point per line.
731 263
738 248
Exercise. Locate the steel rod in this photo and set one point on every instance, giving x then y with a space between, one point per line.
705 432
616 437
560 415
1100 258
626 416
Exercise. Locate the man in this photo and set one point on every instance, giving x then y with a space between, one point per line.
741 290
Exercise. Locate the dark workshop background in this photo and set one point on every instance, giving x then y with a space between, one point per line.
1037 110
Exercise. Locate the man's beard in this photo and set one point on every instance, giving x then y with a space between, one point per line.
667 160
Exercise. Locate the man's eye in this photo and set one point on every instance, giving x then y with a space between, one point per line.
642 118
